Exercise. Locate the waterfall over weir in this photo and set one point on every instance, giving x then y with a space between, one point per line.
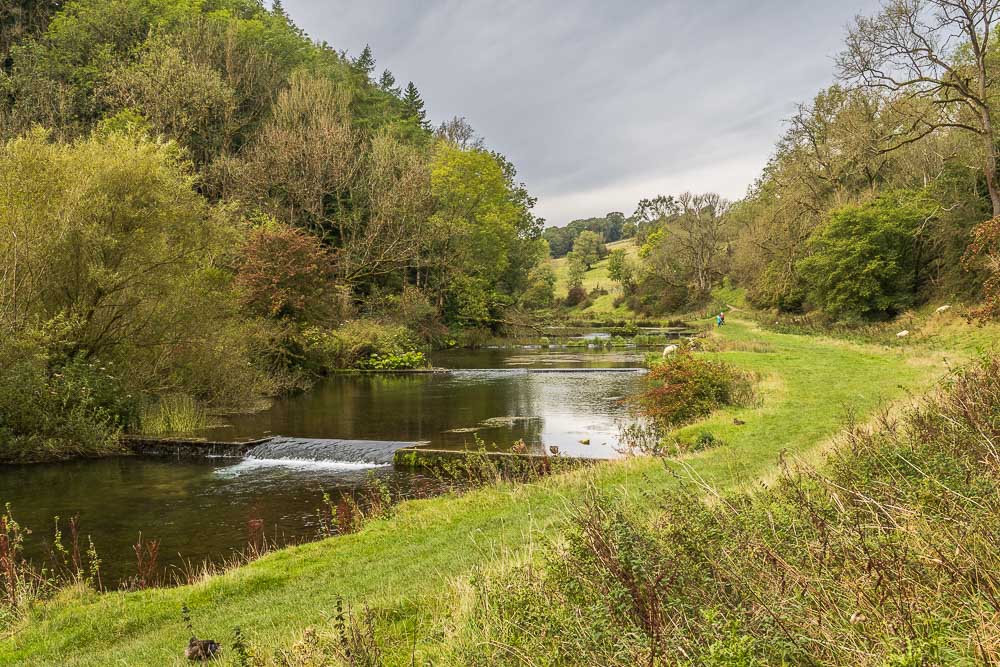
374 452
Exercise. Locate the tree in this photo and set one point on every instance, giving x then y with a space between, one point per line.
614 225
560 240
589 248
482 230
387 82
364 196
688 247
364 64
541 288
621 269
108 235
659 207
910 50
182 100
459 132
413 105
575 270
865 260
20 19
284 272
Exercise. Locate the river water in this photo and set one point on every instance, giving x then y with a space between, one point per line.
204 510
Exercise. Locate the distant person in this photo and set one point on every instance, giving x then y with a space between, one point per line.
718 320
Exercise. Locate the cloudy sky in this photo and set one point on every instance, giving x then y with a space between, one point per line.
600 103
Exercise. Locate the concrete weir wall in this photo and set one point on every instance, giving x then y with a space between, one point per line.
187 448
403 457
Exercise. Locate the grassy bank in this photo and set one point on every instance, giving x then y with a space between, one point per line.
596 278
412 569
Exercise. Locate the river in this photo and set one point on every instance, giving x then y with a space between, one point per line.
204 510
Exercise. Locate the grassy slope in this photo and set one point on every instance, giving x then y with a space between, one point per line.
407 567
596 277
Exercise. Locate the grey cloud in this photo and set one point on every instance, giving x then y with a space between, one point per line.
597 102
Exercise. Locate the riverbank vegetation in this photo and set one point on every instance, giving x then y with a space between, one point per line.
278 211
430 554
880 196
881 556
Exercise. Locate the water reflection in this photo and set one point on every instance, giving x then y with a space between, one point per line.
202 509
493 394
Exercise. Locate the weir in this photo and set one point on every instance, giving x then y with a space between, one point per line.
528 371
377 452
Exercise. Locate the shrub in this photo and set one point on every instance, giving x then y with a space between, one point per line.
285 272
50 411
540 292
985 250
682 388
652 296
401 361
630 330
864 260
413 309
576 296
356 344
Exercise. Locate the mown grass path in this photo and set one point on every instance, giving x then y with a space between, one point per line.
404 566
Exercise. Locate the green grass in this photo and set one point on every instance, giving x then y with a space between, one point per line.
171 415
410 568
596 277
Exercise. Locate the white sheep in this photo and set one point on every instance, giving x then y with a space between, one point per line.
903 334
943 308
670 349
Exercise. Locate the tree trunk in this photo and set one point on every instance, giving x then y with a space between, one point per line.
990 168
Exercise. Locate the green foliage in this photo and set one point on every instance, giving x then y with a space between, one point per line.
865 260
683 387
708 583
195 108
52 407
621 269
172 414
540 292
612 227
484 238
629 330
588 249
393 361
355 344
126 246
576 268
413 106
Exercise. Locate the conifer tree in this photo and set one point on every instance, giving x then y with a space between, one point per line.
387 82
365 63
414 105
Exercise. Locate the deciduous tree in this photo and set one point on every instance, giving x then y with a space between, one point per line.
938 52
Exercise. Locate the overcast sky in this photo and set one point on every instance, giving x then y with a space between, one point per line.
600 103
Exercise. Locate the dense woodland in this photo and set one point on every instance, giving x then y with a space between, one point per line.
199 202
196 200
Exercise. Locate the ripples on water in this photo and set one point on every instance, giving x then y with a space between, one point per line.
202 509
